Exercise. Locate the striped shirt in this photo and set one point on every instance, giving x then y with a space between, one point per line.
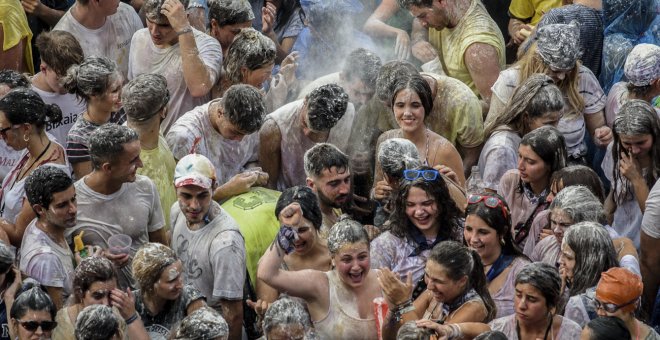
77 141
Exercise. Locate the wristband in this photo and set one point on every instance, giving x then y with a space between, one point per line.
184 31
132 319
455 331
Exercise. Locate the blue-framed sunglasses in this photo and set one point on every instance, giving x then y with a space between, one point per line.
428 175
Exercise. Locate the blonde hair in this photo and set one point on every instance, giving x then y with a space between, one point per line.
531 63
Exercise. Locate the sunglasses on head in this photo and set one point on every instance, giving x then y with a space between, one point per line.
32 326
428 175
489 201
610 307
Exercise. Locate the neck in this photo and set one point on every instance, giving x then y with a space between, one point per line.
633 326
154 304
39 82
457 11
533 330
488 261
432 232
595 4
54 233
417 136
538 187
148 132
37 144
87 17
98 182
97 116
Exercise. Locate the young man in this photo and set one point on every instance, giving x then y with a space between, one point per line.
462 37
45 255
190 60
325 115
59 51
224 130
208 241
145 103
114 199
329 176
103 28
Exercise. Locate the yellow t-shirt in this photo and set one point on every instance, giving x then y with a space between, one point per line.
531 9
159 166
456 112
254 211
15 27
475 27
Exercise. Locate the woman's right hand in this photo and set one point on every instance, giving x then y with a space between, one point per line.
395 291
382 191
124 301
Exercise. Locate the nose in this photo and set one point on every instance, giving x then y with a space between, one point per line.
179 283
521 165
635 150
522 304
139 163
560 75
106 301
39 331
601 312
73 208
194 204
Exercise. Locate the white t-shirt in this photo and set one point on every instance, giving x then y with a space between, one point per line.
8 158
571 126
134 210
213 256
45 260
499 155
651 219
146 57
71 108
112 40
229 157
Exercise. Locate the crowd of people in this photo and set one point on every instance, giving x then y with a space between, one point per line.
330 169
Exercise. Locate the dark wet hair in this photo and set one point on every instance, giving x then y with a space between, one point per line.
549 144
492 335
363 65
90 78
579 175
250 49
636 117
389 74
448 213
59 50
96 322
417 3
24 106
594 254
244 107
91 270
308 203
418 84
326 105
460 261
230 12
32 297
324 156
13 79
44 182
106 143
545 278
410 331
152 8
497 220
608 328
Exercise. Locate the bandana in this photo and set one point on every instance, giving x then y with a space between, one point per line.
559 45
643 65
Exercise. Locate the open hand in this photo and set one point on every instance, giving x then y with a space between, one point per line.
395 291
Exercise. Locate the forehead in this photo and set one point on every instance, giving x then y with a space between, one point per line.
172 271
566 250
192 190
334 173
559 215
436 271
407 95
475 221
64 196
528 289
416 194
132 149
103 285
353 249
633 139
527 152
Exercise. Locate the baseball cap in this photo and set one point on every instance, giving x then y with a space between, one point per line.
194 169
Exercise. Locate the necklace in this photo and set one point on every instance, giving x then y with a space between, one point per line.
20 169
426 152
18 178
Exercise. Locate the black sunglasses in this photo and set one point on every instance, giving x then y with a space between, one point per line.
32 326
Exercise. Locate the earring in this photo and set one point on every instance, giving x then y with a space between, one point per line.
26 138
502 241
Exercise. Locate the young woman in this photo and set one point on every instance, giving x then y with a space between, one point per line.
488 231
162 300
633 166
97 82
23 120
536 102
411 102
586 252
618 294
32 313
556 52
282 22
456 292
339 300
95 282
424 215
311 250
525 189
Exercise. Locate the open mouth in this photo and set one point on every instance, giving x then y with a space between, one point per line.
356 277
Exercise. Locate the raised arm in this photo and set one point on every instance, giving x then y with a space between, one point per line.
270 139
376 27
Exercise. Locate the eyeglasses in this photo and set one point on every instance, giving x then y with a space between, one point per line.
489 201
32 326
610 307
428 175
3 132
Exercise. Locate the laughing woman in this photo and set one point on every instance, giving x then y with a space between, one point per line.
339 300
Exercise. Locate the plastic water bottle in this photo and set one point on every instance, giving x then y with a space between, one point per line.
474 184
